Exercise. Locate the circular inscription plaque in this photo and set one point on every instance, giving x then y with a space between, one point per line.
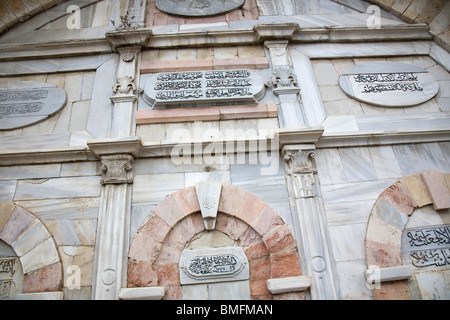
198 8
389 84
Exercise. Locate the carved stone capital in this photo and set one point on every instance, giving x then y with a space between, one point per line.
284 81
117 169
128 54
277 48
124 85
299 161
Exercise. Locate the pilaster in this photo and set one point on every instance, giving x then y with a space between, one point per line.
304 192
116 154
117 159
124 99
285 84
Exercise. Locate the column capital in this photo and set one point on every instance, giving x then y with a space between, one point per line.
284 81
300 159
117 169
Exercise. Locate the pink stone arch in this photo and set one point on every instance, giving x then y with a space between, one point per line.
35 247
389 217
267 241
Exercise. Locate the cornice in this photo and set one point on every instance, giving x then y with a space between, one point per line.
55 43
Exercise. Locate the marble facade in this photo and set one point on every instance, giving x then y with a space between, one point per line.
302 188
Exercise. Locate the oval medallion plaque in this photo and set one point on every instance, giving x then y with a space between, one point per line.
24 103
389 84
213 265
198 8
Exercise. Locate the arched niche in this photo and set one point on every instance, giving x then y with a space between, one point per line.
387 254
251 224
34 247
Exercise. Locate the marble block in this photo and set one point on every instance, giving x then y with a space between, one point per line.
389 84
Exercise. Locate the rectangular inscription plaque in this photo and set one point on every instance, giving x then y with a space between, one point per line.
203 88
428 246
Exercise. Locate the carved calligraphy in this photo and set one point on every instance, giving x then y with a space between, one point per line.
213 265
25 103
10 276
429 246
389 84
198 88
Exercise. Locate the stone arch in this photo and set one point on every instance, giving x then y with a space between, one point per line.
387 221
266 240
35 247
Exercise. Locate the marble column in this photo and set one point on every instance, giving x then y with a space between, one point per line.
304 192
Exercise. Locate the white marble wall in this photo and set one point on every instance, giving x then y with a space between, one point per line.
157 178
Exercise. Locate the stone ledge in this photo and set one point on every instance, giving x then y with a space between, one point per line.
388 274
129 145
289 284
145 293
57 295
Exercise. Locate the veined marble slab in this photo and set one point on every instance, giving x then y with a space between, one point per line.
78 187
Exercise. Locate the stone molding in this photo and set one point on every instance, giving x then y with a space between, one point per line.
128 38
279 31
40 260
271 250
388 274
388 219
289 284
146 293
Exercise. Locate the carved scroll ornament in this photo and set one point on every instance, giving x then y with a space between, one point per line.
117 169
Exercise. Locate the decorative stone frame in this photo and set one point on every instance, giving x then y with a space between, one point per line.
266 240
37 251
386 223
